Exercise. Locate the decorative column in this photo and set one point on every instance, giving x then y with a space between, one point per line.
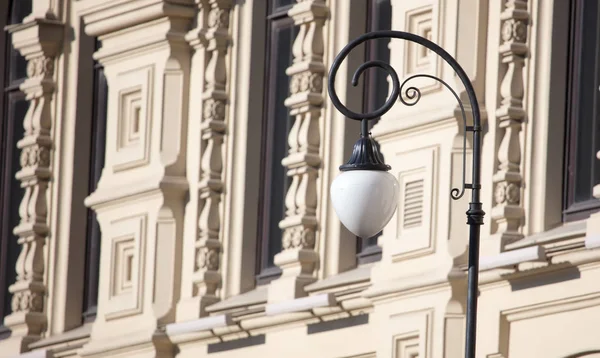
39 41
508 213
141 197
298 258
210 41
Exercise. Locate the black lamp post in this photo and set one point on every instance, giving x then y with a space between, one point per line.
365 175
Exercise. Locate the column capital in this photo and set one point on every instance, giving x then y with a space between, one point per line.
38 37
103 17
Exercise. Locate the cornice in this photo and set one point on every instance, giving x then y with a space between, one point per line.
128 192
254 321
37 36
581 259
102 17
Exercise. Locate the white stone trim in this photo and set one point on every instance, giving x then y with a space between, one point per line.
563 232
198 325
510 258
300 304
592 242
35 354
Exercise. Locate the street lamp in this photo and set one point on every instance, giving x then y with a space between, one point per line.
365 195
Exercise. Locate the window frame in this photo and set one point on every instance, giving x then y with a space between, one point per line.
97 160
9 162
267 243
573 210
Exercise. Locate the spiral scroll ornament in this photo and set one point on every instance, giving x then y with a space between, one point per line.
409 97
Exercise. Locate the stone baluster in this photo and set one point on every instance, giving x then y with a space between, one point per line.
39 41
214 43
298 258
508 213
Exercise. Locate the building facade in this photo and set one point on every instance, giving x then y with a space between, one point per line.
166 165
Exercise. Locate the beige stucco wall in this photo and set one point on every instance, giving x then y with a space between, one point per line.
178 196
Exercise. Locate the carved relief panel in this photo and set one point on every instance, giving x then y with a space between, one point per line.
421 18
410 334
127 245
411 61
134 93
421 21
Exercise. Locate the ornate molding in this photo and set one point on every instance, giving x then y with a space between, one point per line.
508 213
211 40
300 224
38 41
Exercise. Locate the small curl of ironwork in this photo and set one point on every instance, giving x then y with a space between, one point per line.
455 193
389 70
411 95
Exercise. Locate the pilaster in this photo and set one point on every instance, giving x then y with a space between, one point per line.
210 41
39 41
508 213
141 195
298 258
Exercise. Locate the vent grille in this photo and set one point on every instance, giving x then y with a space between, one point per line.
413 203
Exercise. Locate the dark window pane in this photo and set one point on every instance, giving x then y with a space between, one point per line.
19 10
17 69
13 107
281 5
17 65
283 39
98 147
582 131
375 90
12 193
276 125
585 118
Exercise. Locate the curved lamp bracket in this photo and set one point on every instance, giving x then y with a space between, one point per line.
366 157
413 95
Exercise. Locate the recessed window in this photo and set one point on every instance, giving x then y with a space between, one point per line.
276 125
97 152
13 107
582 142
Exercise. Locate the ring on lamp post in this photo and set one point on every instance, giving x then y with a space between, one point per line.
365 194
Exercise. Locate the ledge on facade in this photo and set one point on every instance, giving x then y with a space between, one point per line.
513 257
410 284
44 353
102 17
566 262
563 232
566 246
128 191
592 242
255 297
249 314
344 280
199 325
301 304
70 340
534 248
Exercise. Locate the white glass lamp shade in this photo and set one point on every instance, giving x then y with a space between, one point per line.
365 200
